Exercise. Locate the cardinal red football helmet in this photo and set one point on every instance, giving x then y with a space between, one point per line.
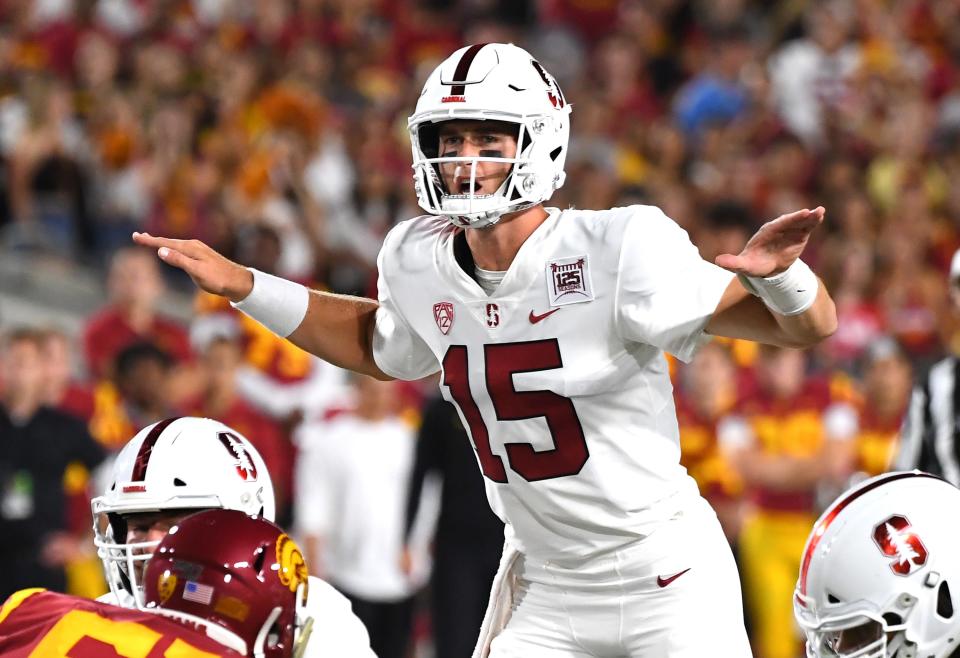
238 577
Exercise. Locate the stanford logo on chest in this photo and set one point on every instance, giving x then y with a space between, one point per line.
493 316
443 315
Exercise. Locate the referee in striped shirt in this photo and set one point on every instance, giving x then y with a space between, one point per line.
930 437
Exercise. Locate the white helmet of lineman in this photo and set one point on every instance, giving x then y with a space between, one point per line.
175 464
880 574
499 82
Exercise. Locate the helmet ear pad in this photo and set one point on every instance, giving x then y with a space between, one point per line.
118 526
428 134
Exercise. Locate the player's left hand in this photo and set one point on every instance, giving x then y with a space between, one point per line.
775 246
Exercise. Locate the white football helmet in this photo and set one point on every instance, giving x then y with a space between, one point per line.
880 574
500 82
176 464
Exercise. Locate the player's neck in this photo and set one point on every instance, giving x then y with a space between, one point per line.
494 247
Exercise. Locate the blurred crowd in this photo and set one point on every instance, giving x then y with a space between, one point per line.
275 130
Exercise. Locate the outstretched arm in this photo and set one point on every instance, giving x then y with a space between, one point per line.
773 249
336 328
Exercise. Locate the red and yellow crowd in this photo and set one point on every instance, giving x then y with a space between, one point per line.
275 130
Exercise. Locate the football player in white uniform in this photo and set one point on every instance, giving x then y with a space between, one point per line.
175 468
880 575
549 328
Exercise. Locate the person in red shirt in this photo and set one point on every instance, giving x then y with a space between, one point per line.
134 286
707 393
775 440
865 431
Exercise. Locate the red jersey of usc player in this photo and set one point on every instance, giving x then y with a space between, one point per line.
35 623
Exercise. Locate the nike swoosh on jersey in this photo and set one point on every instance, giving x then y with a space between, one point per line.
663 582
534 318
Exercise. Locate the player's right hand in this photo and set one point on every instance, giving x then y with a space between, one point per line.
775 246
211 271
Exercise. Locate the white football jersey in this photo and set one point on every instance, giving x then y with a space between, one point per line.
336 630
559 375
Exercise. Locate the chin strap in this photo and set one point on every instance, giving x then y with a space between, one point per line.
898 647
300 644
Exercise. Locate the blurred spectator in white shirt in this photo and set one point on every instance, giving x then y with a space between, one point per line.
811 75
350 498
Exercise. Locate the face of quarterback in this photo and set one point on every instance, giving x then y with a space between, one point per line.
466 138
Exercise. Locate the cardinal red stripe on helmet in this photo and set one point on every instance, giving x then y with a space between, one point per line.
146 448
839 506
463 69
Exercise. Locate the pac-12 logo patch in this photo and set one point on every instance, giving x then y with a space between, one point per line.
443 315
896 539
568 281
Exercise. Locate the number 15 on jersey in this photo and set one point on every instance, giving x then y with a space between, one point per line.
501 362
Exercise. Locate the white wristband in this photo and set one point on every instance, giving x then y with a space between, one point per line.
791 292
278 304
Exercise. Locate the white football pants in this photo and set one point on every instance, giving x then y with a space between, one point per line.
674 594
